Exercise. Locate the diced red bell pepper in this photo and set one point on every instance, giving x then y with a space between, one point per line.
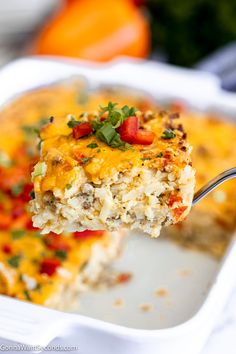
174 199
128 129
56 242
179 211
144 137
7 248
25 194
5 221
49 266
29 226
17 209
88 233
81 130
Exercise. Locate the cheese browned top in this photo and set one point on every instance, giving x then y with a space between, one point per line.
114 167
61 152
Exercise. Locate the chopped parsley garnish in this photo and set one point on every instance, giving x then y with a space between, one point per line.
14 261
17 234
115 115
92 145
86 159
145 158
105 130
168 134
160 154
68 186
17 189
61 254
73 122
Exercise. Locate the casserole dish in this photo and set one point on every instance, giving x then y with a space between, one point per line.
198 286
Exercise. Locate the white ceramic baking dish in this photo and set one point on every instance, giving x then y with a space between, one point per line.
196 286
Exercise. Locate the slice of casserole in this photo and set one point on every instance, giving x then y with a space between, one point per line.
113 168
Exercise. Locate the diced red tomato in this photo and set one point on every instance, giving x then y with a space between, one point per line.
144 137
82 130
88 233
174 199
49 265
5 221
56 242
7 248
128 129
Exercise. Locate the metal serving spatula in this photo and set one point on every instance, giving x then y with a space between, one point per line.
215 182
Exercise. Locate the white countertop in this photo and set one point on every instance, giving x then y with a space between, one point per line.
222 339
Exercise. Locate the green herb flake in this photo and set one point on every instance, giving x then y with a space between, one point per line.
37 235
27 295
5 160
160 154
30 130
14 261
68 186
17 189
38 287
35 129
92 145
17 234
61 254
86 159
73 122
168 134
39 169
106 130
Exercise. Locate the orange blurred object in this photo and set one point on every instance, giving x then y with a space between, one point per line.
96 30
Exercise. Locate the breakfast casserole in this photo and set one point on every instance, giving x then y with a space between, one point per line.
74 261
117 167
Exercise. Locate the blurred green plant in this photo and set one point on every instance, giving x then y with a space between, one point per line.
188 30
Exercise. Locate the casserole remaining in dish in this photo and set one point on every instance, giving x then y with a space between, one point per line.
212 151
111 169
210 225
46 270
